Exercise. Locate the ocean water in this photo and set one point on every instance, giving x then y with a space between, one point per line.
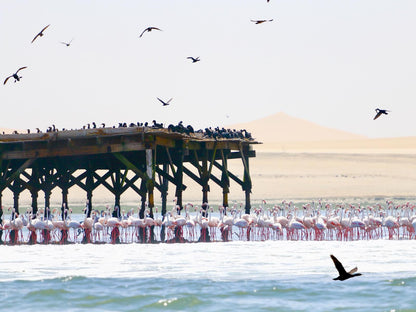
241 276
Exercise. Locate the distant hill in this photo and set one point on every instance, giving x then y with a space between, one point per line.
281 127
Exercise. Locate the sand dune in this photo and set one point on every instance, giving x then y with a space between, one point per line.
401 145
8 131
283 133
281 127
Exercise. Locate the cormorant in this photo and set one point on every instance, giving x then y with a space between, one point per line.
15 76
67 43
194 59
149 29
380 112
343 275
165 103
40 34
261 21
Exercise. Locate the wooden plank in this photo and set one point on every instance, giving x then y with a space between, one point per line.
168 177
232 176
21 169
131 166
216 180
192 175
166 142
73 151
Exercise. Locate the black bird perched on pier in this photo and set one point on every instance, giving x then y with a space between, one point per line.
165 103
157 125
261 21
149 29
194 59
15 76
343 275
40 34
380 112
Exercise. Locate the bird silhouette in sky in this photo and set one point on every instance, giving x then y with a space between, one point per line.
380 112
15 75
261 21
67 43
343 275
194 59
40 34
165 103
149 29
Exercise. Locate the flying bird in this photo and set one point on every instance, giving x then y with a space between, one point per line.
15 76
194 59
67 43
165 103
261 21
40 34
343 275
149 29
380 112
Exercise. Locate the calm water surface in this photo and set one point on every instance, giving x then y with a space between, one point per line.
241 276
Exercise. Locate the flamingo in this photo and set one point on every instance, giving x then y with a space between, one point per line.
72 224
87 226
242 224
137 223
293 226
17 225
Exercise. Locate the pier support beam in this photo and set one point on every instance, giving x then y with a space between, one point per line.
1 217
179 178
34 195
164 188
34 187
164 194
225 180
143 189
16 187
64 204
89 183
64 182
204 178
247 180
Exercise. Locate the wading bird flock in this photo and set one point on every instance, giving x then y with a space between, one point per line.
278 222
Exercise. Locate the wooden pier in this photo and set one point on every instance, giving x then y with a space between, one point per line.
143 159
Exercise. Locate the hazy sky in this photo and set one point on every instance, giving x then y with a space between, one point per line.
329 62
